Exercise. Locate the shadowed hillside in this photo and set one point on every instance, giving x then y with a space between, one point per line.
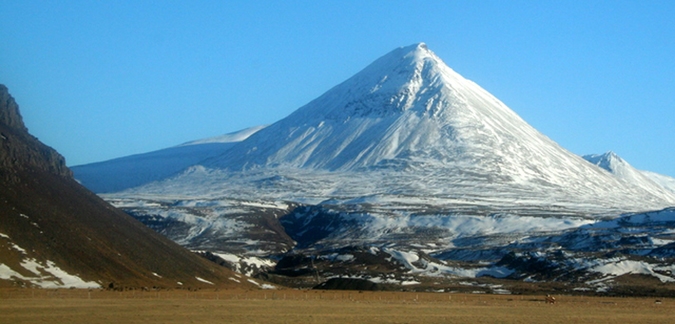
55 233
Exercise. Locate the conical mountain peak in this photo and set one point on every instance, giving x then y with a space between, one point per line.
406 104
414 53
407 125
406 55
388 86
611 155
609 161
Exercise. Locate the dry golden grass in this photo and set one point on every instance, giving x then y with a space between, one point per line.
294 306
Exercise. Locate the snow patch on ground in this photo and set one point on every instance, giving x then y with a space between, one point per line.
18 248
382 280
263 286
495 289
46 275
204 280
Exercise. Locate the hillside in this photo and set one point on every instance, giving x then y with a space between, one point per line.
55 233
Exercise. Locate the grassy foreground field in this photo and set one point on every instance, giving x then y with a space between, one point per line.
295 306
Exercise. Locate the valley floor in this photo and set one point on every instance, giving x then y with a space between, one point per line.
302 306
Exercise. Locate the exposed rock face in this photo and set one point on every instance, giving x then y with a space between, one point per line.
9 111
19 149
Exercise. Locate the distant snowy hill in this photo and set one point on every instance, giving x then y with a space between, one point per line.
234 137
135 170
654 183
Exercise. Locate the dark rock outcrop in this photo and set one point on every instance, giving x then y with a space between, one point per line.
9 111
19 149
348 284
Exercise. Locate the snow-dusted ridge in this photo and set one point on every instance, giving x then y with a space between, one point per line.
233 137
135 170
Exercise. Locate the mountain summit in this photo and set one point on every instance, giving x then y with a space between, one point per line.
19 149
407 105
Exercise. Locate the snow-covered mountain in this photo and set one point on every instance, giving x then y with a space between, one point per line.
406 160
135 170
408 130
656 184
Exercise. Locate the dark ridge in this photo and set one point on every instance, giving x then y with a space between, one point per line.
53 218
20 150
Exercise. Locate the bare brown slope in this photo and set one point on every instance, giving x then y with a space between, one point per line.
52 217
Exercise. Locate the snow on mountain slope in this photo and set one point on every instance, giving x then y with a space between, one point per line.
135 170
41 274
408 130
234 137
663 180
617 166
407 107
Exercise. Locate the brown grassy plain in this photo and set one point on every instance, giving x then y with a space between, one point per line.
298 306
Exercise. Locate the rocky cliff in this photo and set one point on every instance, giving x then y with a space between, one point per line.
20 150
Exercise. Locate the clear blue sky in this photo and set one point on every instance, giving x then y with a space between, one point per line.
103 79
